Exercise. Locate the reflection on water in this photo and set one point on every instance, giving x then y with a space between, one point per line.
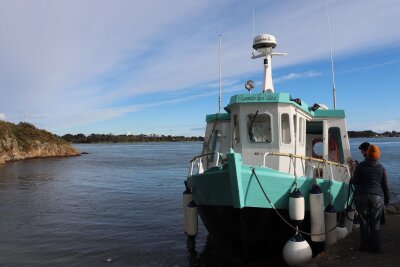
210 255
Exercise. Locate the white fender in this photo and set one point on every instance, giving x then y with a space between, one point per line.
348 220
341 232
187 197
200 167
356 222
317 214
330 225
296 251
191 219
296 206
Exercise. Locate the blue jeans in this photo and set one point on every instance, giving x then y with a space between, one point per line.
370 208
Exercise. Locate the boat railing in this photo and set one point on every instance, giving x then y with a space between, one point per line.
198 161
319 162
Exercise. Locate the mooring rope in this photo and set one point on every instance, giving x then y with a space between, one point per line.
283 218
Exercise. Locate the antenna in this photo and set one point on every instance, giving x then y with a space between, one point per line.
331 50
254 51
253 22
220 76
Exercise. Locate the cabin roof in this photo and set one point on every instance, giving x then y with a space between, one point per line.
274 98
268 98
283 98
331 113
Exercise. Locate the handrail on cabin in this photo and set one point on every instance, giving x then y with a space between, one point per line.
191 163
323 161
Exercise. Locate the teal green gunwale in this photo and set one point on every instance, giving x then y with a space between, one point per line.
218 116
211 187
235 185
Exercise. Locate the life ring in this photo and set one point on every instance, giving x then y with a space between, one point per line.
314 142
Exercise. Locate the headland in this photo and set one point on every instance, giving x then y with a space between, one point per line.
24 141
372 134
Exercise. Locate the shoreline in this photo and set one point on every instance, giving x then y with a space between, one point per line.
135 142
179 141
3 161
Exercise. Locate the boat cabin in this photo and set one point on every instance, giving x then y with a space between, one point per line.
258 125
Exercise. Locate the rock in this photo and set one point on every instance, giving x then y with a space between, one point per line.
25 141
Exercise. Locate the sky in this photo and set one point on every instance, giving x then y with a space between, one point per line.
133 67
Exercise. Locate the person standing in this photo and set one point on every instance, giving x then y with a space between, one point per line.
363 148
372 192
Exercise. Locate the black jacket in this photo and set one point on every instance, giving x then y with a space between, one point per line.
370 178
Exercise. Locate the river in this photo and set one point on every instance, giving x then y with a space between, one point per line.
119 205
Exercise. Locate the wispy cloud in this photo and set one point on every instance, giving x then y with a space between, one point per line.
75 63
374 66
198 129
97 115
3 117
294 76
32 116
102 114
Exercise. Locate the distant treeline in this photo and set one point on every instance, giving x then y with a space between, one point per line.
369 133
110 138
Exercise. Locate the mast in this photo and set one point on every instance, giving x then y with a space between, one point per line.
220 76
264 44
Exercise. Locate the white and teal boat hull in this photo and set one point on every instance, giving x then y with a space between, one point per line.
237 214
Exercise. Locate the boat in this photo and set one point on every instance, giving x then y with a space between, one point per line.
255 154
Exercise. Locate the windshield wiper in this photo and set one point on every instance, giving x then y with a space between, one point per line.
251 135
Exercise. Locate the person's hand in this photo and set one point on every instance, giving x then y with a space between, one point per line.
352 162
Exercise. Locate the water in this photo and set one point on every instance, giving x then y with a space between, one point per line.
120 205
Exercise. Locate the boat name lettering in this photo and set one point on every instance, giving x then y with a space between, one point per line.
257 98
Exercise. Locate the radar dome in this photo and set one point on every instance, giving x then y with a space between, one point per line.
264 41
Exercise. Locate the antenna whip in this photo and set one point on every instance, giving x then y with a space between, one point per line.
220 79
330 45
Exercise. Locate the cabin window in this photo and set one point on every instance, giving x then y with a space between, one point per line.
295 125
301 131
335 150
215 144
216 141
236 129
259 128
285 129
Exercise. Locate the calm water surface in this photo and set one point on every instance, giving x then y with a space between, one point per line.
120 205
